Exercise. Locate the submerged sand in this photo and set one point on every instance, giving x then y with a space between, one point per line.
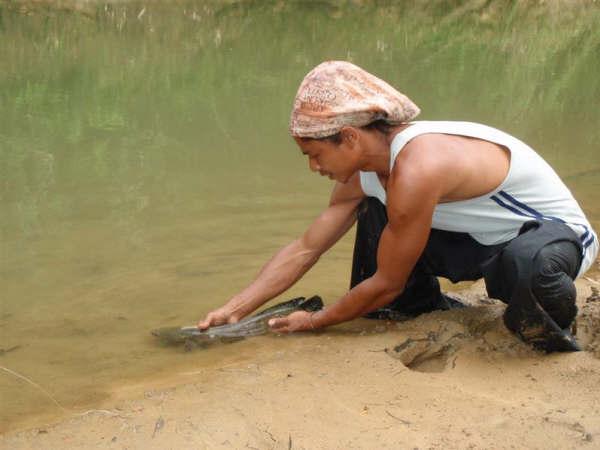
454 379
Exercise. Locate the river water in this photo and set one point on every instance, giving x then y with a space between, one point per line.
146 171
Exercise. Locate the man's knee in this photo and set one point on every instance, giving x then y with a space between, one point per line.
534 275
548 276
552 281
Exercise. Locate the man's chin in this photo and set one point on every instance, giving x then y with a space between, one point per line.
339 178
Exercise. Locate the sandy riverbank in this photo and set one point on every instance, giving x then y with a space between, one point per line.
462 382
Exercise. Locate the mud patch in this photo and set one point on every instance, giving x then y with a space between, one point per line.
588 320
478 328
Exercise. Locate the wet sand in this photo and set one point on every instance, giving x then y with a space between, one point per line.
453 379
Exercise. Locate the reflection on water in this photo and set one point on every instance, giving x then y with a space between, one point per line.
146 172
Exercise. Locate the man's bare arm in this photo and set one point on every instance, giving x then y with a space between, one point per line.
291 262
413 192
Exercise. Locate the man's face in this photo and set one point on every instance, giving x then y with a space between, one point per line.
337 161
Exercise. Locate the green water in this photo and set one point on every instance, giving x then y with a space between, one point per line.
146 172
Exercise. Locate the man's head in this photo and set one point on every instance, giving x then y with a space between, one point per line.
336 94
341 110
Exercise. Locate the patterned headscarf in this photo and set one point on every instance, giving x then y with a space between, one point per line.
337 93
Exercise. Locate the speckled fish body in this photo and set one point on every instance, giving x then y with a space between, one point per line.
254 325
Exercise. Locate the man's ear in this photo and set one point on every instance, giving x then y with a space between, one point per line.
350 135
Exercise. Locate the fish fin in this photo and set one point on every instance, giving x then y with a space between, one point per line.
231 339
192 344
278 306
189 345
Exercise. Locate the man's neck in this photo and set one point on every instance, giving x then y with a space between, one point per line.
377 158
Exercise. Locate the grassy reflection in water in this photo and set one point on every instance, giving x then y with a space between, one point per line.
190 75
133 142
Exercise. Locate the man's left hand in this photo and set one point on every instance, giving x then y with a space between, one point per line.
297 321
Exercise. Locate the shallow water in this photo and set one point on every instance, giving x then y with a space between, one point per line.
146 172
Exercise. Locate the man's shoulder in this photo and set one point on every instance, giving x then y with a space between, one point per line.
426 167
423 148
428 140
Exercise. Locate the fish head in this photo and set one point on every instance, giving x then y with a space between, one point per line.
313 303
169 335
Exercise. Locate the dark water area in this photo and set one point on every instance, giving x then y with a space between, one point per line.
146 172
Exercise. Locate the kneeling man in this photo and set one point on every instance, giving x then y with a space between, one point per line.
432 198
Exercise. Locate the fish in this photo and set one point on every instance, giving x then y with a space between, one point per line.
254 325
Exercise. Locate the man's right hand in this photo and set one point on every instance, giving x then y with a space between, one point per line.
219 316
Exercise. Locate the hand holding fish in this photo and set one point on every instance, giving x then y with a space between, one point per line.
297 321
220 316
254 325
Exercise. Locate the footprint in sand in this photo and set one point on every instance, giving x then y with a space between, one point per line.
479 328
423 355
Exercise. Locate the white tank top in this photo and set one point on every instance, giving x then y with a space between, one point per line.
531 190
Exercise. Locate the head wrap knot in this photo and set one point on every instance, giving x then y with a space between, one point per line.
337 93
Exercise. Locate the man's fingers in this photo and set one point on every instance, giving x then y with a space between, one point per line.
204 324
274 323
213 320
278 324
